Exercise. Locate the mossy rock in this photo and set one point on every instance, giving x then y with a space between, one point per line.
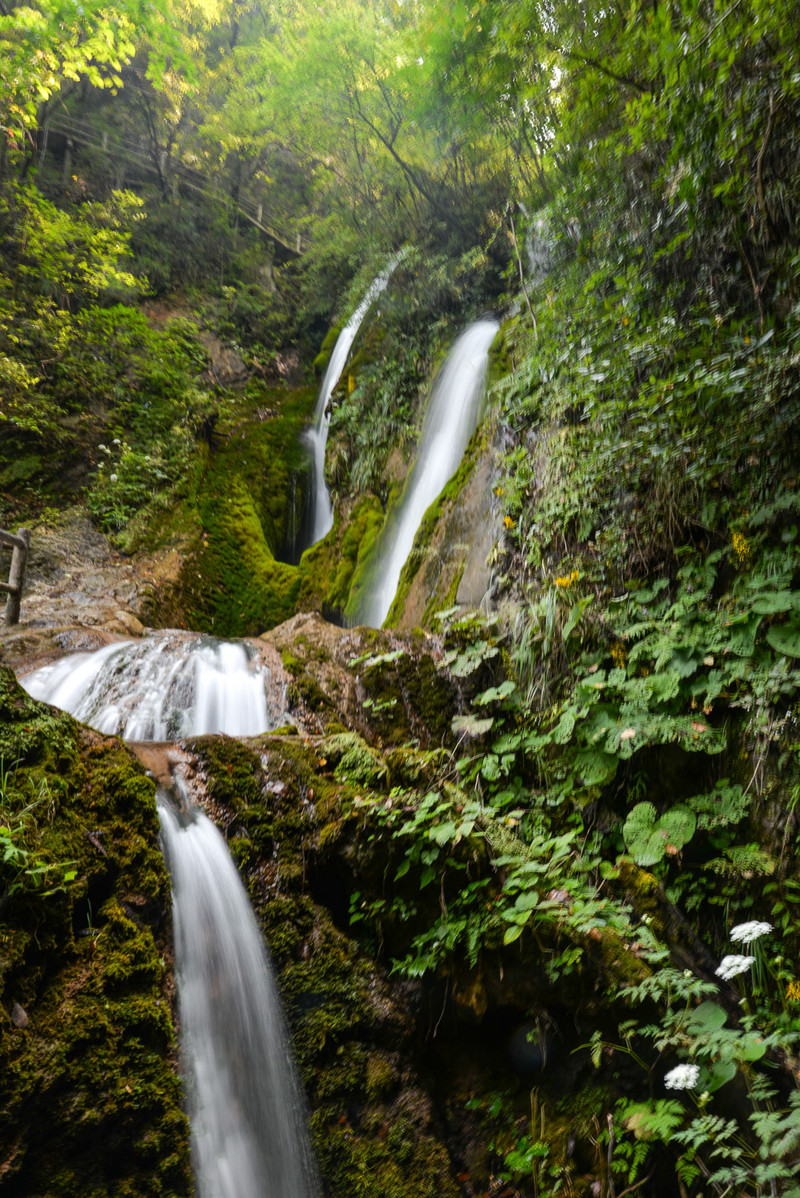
373 1126
91 1101
245 499
326 351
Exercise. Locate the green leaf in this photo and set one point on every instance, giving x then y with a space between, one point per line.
770 603
721 1072
708 1017
574 616
785 639
594 767
494 693
443 833
649 839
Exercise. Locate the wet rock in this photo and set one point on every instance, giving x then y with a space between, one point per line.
129 622
386 687
19 1016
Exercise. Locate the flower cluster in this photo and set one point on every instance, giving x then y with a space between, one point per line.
682 1077
741 547
750 931
732 965
618 654
567 579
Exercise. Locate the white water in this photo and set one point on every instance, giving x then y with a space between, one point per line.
321 515
165 686
247 1113
450 421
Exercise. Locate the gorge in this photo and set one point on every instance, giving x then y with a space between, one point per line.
398 760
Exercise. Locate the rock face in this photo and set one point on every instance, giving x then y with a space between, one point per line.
450 561
90 1101
80 593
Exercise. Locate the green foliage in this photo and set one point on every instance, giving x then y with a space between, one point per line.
24 866
48 43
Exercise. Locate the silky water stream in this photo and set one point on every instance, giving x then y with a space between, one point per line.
320 516
450 420
246 1107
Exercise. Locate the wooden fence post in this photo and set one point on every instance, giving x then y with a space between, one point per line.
20 545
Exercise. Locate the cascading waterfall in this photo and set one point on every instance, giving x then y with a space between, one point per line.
321 512
450 421
163 687
246 1107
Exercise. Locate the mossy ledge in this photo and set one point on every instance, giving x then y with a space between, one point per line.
91 1103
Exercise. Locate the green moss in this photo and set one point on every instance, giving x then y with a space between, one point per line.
411 701
238 518
354 761
91 1100
501 359
324 356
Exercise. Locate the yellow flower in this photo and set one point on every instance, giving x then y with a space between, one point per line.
741 547
618 654
793 991
499 491
509 523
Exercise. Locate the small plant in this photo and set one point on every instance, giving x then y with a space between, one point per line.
24 867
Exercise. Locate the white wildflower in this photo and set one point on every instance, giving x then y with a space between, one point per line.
112 478
116 441
750 931
731 965
682 1077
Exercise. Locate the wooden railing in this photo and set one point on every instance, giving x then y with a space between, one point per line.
19 545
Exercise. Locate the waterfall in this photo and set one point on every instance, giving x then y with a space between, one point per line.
165 686
246 1108
450 421
320 520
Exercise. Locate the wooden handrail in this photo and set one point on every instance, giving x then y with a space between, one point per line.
19 544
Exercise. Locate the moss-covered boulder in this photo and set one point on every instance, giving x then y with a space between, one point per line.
91 1101
388 688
